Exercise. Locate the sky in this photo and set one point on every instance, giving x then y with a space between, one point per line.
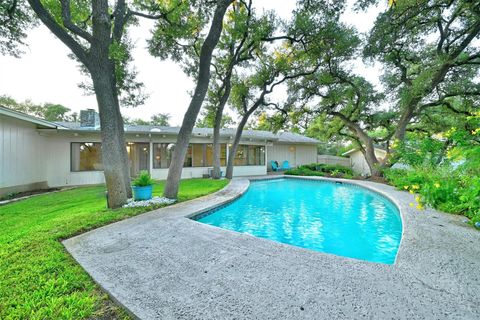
45 73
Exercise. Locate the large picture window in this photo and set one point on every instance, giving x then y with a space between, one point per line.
86 156
198 155
248 155
163 153
256 156
209 154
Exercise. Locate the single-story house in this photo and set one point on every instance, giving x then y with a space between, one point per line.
36 154
359 163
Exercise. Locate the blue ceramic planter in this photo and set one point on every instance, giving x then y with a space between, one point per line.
142 193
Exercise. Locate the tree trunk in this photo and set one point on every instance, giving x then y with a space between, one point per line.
176 165
404 120
102 70
233 150
371 158
114 153
216 131
367 144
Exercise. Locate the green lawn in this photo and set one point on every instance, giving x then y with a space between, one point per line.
38 278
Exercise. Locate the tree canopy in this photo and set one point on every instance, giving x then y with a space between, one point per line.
430 57
47 111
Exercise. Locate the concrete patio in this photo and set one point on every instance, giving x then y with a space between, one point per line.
162 265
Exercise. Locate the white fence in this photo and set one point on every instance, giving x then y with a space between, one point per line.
328 159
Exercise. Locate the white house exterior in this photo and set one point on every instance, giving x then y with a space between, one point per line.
359 163
36 154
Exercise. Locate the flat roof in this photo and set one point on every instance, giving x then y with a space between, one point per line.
281 137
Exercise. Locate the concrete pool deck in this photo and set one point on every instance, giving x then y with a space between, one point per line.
162 265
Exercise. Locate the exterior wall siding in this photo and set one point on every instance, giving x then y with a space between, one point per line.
198 172
31 156
295 154
22 156
58 158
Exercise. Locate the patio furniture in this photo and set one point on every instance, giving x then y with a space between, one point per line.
285 165
274 165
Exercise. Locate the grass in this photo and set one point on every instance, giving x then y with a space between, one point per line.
38 278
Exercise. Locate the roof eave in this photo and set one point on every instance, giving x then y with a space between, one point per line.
25 117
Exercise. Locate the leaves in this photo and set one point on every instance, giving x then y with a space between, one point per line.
47 111
15 20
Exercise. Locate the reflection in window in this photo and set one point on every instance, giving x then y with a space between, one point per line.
248 155
209 154
241 156
201 155
86 156
198 155
163 153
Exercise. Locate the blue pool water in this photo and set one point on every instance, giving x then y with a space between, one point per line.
335 218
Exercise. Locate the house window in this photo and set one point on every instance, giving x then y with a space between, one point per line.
240 156
198 155
163 153
86 156
209 155
248 155
256 156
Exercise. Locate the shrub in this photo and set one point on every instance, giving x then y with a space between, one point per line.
448 190
303 171
330 168
143 179
320 169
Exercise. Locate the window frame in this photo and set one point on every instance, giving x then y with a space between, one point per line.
71 156
247 149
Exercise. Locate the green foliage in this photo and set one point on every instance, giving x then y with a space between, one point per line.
15 20
130 90
54 112
303 171
47 111
143 179
430 79
448 190
38 278
159 119
321 169
180 34
445 167
419 150
207 119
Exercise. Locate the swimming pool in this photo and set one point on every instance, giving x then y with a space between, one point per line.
341 219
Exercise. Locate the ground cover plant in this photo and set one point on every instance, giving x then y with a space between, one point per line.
38 278
453 191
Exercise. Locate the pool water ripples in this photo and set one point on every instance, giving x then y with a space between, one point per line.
334 218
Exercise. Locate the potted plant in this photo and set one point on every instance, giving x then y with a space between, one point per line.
142 186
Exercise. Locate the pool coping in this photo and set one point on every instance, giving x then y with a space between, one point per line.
100 252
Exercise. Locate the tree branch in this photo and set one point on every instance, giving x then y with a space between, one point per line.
67 22
58 31
121 17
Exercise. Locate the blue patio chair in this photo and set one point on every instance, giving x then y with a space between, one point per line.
286 165
274 165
